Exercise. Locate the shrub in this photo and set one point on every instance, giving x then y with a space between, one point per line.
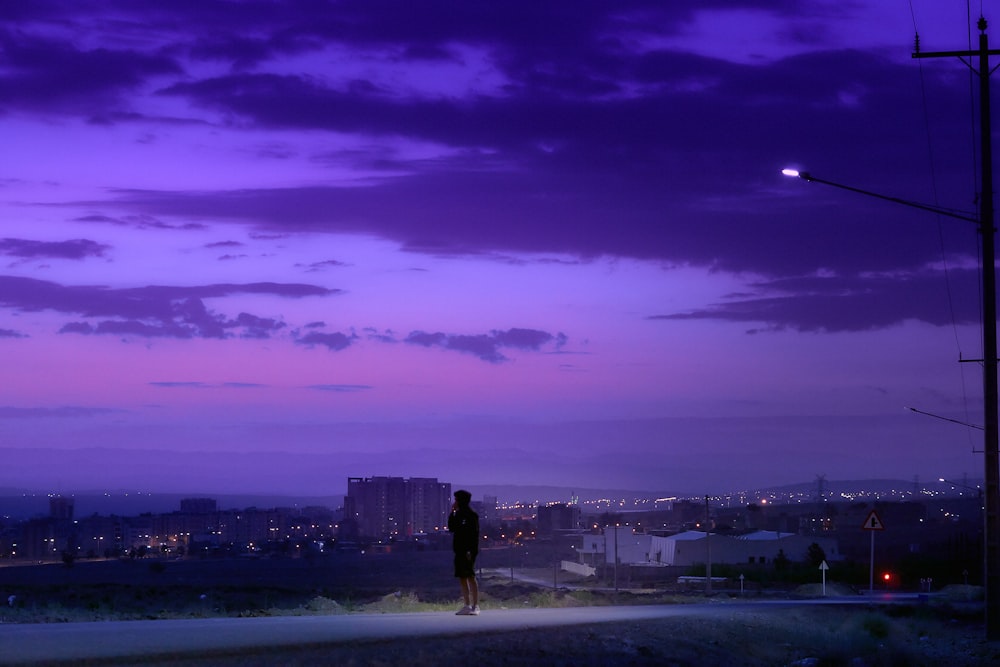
876 625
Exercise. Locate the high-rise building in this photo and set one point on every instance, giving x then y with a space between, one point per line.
488 511
558 517
61 507
397 507
428 504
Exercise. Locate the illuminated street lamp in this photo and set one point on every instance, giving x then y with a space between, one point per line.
940 210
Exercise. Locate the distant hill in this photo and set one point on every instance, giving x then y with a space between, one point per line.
512 493
889 489
839 489
24 503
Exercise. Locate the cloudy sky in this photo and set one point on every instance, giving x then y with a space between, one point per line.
268 245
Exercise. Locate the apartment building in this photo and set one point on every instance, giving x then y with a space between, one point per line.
393 507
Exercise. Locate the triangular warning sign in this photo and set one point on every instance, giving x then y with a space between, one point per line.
872 522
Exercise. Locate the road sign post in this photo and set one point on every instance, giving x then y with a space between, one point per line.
823 568
872 524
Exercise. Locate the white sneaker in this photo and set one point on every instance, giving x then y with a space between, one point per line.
464 611
474 611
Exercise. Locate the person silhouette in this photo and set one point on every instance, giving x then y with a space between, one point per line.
463 523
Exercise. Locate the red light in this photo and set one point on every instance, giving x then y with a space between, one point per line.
886 576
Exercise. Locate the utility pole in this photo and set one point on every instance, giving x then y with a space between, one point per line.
708 550
616 557
991 520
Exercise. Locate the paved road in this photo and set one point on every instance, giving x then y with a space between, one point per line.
65 642
27 643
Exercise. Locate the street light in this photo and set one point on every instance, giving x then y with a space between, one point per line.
947 419
940 210
991 428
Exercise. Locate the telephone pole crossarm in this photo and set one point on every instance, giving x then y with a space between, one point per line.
954 54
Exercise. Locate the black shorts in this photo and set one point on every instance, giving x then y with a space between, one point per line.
465 567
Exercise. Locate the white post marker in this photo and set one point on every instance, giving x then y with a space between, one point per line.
741 584
872 523
823 568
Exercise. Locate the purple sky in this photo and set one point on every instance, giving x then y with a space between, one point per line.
269 245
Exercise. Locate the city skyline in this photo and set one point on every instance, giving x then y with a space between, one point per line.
24 504
264 246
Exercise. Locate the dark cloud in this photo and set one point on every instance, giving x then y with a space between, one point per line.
257 327
487 346
341 388
850 304
240 52
319 266
10 333
210 329
333 341
153 311
138 222
484 346
591 147
73 249
527 339
77 328
167 384
681 173
51 74
380 336
205 385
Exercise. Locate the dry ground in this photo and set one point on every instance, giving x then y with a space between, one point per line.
945 632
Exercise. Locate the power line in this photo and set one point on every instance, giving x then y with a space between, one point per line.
931 160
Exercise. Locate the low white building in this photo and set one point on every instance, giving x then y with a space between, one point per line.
623 541
695 547
684 548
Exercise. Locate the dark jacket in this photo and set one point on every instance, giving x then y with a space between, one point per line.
464 527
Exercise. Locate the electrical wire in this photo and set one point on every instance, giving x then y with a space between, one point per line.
933 174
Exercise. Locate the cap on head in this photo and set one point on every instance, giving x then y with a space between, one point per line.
463 497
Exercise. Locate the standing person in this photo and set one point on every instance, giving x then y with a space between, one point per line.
463 523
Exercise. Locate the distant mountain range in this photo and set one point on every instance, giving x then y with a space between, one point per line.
24 503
